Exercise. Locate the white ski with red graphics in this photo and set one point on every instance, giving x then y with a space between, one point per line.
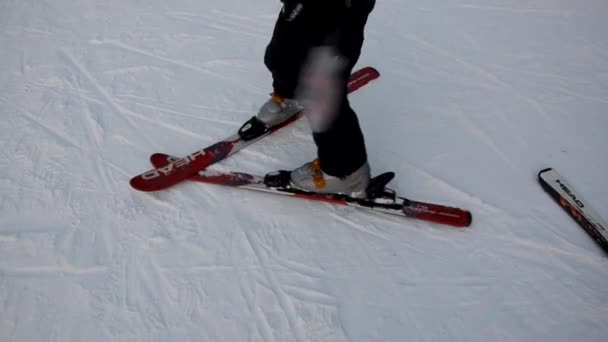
572 202
380 198
182 168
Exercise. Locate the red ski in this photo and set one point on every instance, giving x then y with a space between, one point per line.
182 168
388 202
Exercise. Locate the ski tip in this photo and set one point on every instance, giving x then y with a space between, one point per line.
141 184
368 71
136 183
158 156
544 170
372 70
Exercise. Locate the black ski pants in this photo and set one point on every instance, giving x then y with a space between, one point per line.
341 147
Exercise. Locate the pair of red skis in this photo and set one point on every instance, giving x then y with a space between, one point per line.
169 171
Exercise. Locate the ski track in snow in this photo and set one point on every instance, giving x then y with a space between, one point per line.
474 99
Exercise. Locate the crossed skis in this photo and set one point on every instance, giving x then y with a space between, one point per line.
170 170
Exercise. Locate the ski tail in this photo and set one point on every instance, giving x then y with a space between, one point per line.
438 213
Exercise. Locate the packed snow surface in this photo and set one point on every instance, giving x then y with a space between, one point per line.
475 97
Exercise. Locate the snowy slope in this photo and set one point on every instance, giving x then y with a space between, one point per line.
475 97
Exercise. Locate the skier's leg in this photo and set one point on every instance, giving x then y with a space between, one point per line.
294 34
342 165
288 48
341 147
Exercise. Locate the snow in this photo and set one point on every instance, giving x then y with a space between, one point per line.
475 98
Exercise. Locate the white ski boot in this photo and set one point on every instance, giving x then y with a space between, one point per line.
309 177
278 109
273 112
